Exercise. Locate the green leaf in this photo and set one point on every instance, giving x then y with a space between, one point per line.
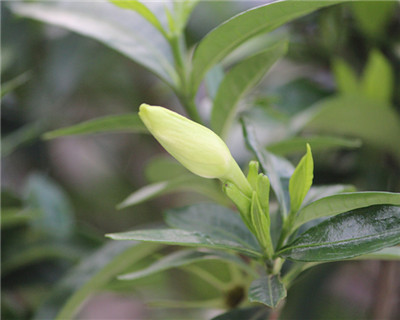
143 11
162 168
301 181
339 203
122 30
346 79
347 235
390 254
184 183
374 122
183 258
239 80
251 313
267 290
279 170
14 83
89 276
215 221
11 217
317 143
118 123
43 195
226 37
318 192
213 80
377 82
23 136
182 12
184 238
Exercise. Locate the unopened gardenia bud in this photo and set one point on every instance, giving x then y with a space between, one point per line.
196 147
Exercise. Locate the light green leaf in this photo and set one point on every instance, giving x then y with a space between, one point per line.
267 290
122 30
43 195
145 12
239 80
346 79
235 31
347 235
215 221
317 143
339 203
279 170
184 238
108 124
389 254
91 275
301 181
183 258
377 82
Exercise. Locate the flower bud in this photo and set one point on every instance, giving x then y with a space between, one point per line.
196 147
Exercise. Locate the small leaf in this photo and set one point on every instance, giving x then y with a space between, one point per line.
301 181
378 79
347 235
184 238
267 290
339 203
241 78
118 123
317 143
242 202
346 79
250 313
183 258
213 220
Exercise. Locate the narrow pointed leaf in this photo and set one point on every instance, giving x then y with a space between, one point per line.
183 258
221 41
346 79
267 290
347 235
184 238
241 78
108 124
339 203
301 181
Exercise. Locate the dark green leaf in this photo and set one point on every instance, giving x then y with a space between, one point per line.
392 253
235 31
241 78
183 258
118 123
249 313
213 220
339 203
184 238
278 169
267 290
317 143
347 235
92 274
123 30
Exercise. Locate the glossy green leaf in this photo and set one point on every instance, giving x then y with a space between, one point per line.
144 11
389 254
339 203
108 124
91 275
184 183
227 36
301 181
43 195
267 290
278 170
347 235
346 79
251 313
184 238
185 257
377 82
317 143
239 80
374 122
113 26
215 221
